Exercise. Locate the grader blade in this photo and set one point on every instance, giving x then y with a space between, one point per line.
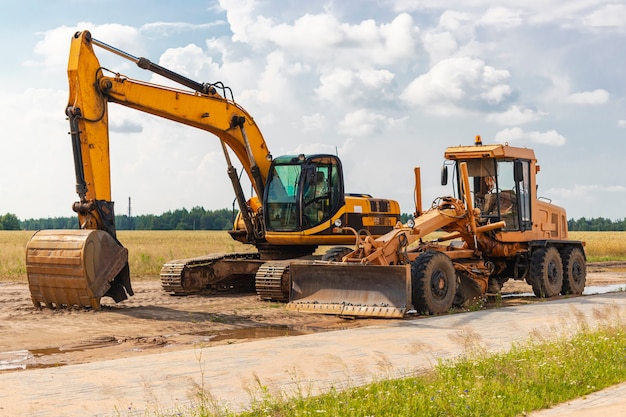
76 268
350 289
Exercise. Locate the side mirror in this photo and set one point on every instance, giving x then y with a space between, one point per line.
444 175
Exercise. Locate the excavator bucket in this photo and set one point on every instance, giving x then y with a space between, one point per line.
350 289
76 268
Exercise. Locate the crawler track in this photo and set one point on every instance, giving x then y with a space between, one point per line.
215 272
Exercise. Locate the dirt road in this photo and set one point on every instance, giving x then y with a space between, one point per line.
153 322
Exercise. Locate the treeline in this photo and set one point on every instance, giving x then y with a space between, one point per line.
599 224
200 219
195 219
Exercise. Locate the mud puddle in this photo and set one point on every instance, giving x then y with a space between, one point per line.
253 333
31 358
40 358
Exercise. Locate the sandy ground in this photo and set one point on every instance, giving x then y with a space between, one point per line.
154 322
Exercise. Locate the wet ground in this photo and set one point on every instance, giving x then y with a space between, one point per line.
154 322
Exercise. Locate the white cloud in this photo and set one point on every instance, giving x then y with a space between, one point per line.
439 45
514 115
502 18
598 96
52 50
363 123
607 16
314 123
244 24
344 85
166 28
324 38
458 85
189 61
516 134
621 123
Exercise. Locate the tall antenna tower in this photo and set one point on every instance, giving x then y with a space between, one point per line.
131 222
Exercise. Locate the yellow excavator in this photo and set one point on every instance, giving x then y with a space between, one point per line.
298 198
495 229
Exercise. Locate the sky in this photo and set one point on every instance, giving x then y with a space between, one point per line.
385 84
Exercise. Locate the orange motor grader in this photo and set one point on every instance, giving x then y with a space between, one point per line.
495 229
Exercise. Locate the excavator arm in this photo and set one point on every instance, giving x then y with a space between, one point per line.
91 89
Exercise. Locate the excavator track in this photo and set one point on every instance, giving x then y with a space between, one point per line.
272 281
210 273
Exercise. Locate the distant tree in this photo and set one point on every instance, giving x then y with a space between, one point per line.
598 224
9 221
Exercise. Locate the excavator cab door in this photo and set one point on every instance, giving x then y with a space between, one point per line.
302 192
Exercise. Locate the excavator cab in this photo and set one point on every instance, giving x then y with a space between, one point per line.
302 192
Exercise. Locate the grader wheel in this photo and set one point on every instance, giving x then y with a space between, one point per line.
574 271
546 272
434 282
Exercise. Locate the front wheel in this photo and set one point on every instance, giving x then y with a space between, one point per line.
546 272
574 271
433 281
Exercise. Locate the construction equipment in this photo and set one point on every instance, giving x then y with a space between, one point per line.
297 198
496 229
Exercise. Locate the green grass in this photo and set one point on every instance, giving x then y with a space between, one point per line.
529 377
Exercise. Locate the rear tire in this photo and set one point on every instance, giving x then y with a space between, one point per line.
546 272
574 271
336 253
433 281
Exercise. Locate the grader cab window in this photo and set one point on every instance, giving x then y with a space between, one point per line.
500 189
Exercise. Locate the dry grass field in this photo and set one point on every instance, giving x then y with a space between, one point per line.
148 250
